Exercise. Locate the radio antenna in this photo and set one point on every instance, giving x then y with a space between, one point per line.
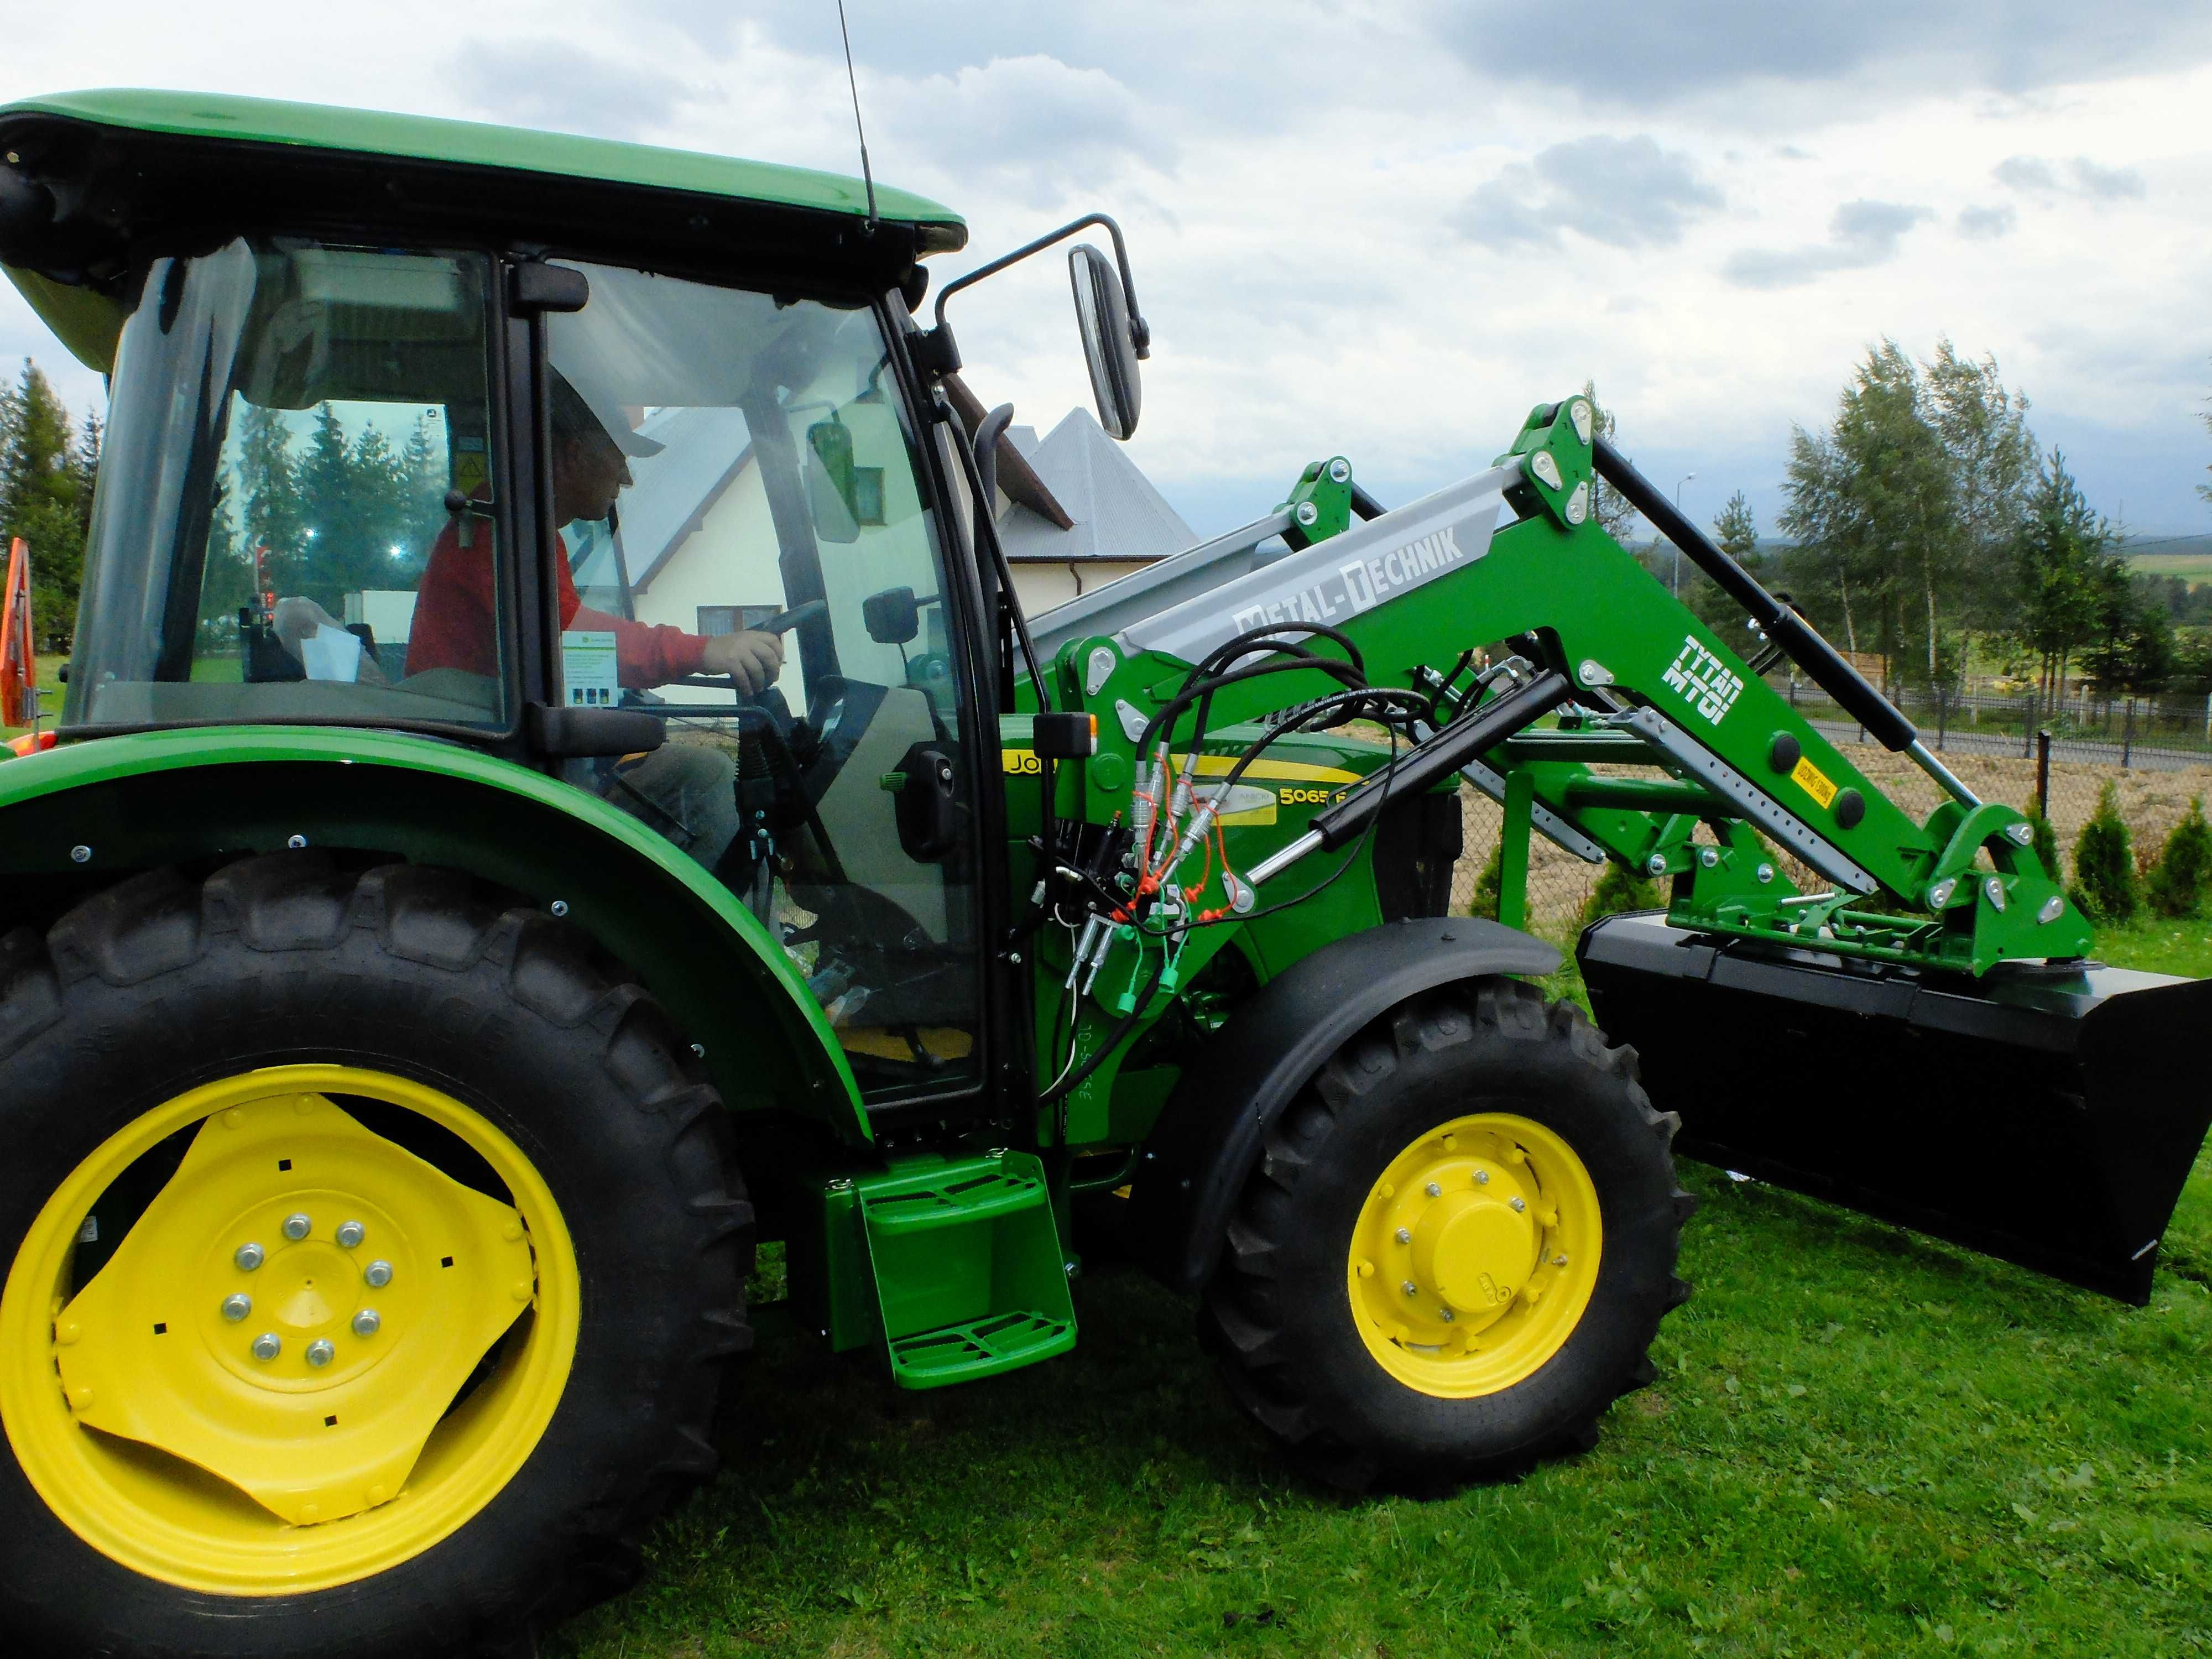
866 177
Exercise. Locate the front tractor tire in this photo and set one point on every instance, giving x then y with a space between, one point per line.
371 1255
1455 1249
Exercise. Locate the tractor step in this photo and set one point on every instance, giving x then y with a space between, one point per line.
2045 1114
969 1276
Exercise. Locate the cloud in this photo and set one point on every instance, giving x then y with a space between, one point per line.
1986 224
1666 54
2107 184
1625 192
549 84
1862 233
1033 125
2025 172
2083 178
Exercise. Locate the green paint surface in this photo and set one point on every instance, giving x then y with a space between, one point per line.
471 144
39 789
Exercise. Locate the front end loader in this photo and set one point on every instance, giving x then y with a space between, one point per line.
555 788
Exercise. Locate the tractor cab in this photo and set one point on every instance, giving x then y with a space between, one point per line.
377 464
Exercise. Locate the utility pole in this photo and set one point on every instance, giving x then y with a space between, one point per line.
1677 584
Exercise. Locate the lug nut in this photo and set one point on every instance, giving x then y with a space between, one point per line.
1559 1261
1405 1234
349 1235
1410 1288
1446 1314
367 1322
266 1347
1482 1177
235 1308
1656 864
249 1256
320 1352
297 1227
1433 1190
1516 1204
376 1274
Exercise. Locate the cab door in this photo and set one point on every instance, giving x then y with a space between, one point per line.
770 484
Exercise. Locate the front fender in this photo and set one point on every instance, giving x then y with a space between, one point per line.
1209 1137
146 799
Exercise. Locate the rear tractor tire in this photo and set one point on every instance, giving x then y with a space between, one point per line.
1455 1249
371 1255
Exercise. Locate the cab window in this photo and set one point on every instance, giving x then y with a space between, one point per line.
286 419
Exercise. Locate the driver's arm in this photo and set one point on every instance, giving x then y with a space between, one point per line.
649 655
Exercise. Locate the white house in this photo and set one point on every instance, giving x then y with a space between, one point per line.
1073 512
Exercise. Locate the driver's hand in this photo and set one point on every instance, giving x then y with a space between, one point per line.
753 660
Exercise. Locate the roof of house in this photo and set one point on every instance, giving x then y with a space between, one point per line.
674 492
472 144
1117 513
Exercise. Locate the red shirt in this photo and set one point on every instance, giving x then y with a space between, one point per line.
453 625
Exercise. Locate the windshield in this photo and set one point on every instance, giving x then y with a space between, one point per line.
286 418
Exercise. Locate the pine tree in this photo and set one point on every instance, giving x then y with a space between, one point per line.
40 497
2061 584
269 488
2045 844
2105 883
2181 880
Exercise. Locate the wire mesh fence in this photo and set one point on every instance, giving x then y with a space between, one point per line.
2153 773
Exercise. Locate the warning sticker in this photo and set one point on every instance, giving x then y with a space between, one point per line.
1814 781
589 670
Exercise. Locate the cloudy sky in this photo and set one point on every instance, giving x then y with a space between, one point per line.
1387 229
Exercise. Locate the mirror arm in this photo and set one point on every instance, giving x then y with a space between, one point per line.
936 346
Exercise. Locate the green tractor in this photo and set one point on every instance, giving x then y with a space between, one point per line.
555 788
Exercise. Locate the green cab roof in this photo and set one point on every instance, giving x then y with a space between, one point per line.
472 144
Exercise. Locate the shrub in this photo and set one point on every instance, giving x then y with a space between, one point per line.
2182 878
1619 888
1488 883
2104 888
2045 844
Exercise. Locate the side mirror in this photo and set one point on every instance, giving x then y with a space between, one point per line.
832 487
1101 313
892 616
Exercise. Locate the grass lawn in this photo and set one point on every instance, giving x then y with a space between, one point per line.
1861 1441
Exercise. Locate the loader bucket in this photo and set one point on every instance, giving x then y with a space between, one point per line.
2045 1114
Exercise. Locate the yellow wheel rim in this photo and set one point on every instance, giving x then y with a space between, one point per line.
313 1356
1474 1255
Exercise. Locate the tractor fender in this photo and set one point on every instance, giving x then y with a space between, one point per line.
1208 1137
85 815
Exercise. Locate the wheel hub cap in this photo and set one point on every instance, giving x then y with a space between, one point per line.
147 1350
1474 1255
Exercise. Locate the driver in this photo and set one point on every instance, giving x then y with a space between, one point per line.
685 791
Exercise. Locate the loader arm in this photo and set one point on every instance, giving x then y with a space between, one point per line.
1936 959
1645 685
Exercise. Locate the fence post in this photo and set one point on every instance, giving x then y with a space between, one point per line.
2043 774
2027 722
2128 735
1942 707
